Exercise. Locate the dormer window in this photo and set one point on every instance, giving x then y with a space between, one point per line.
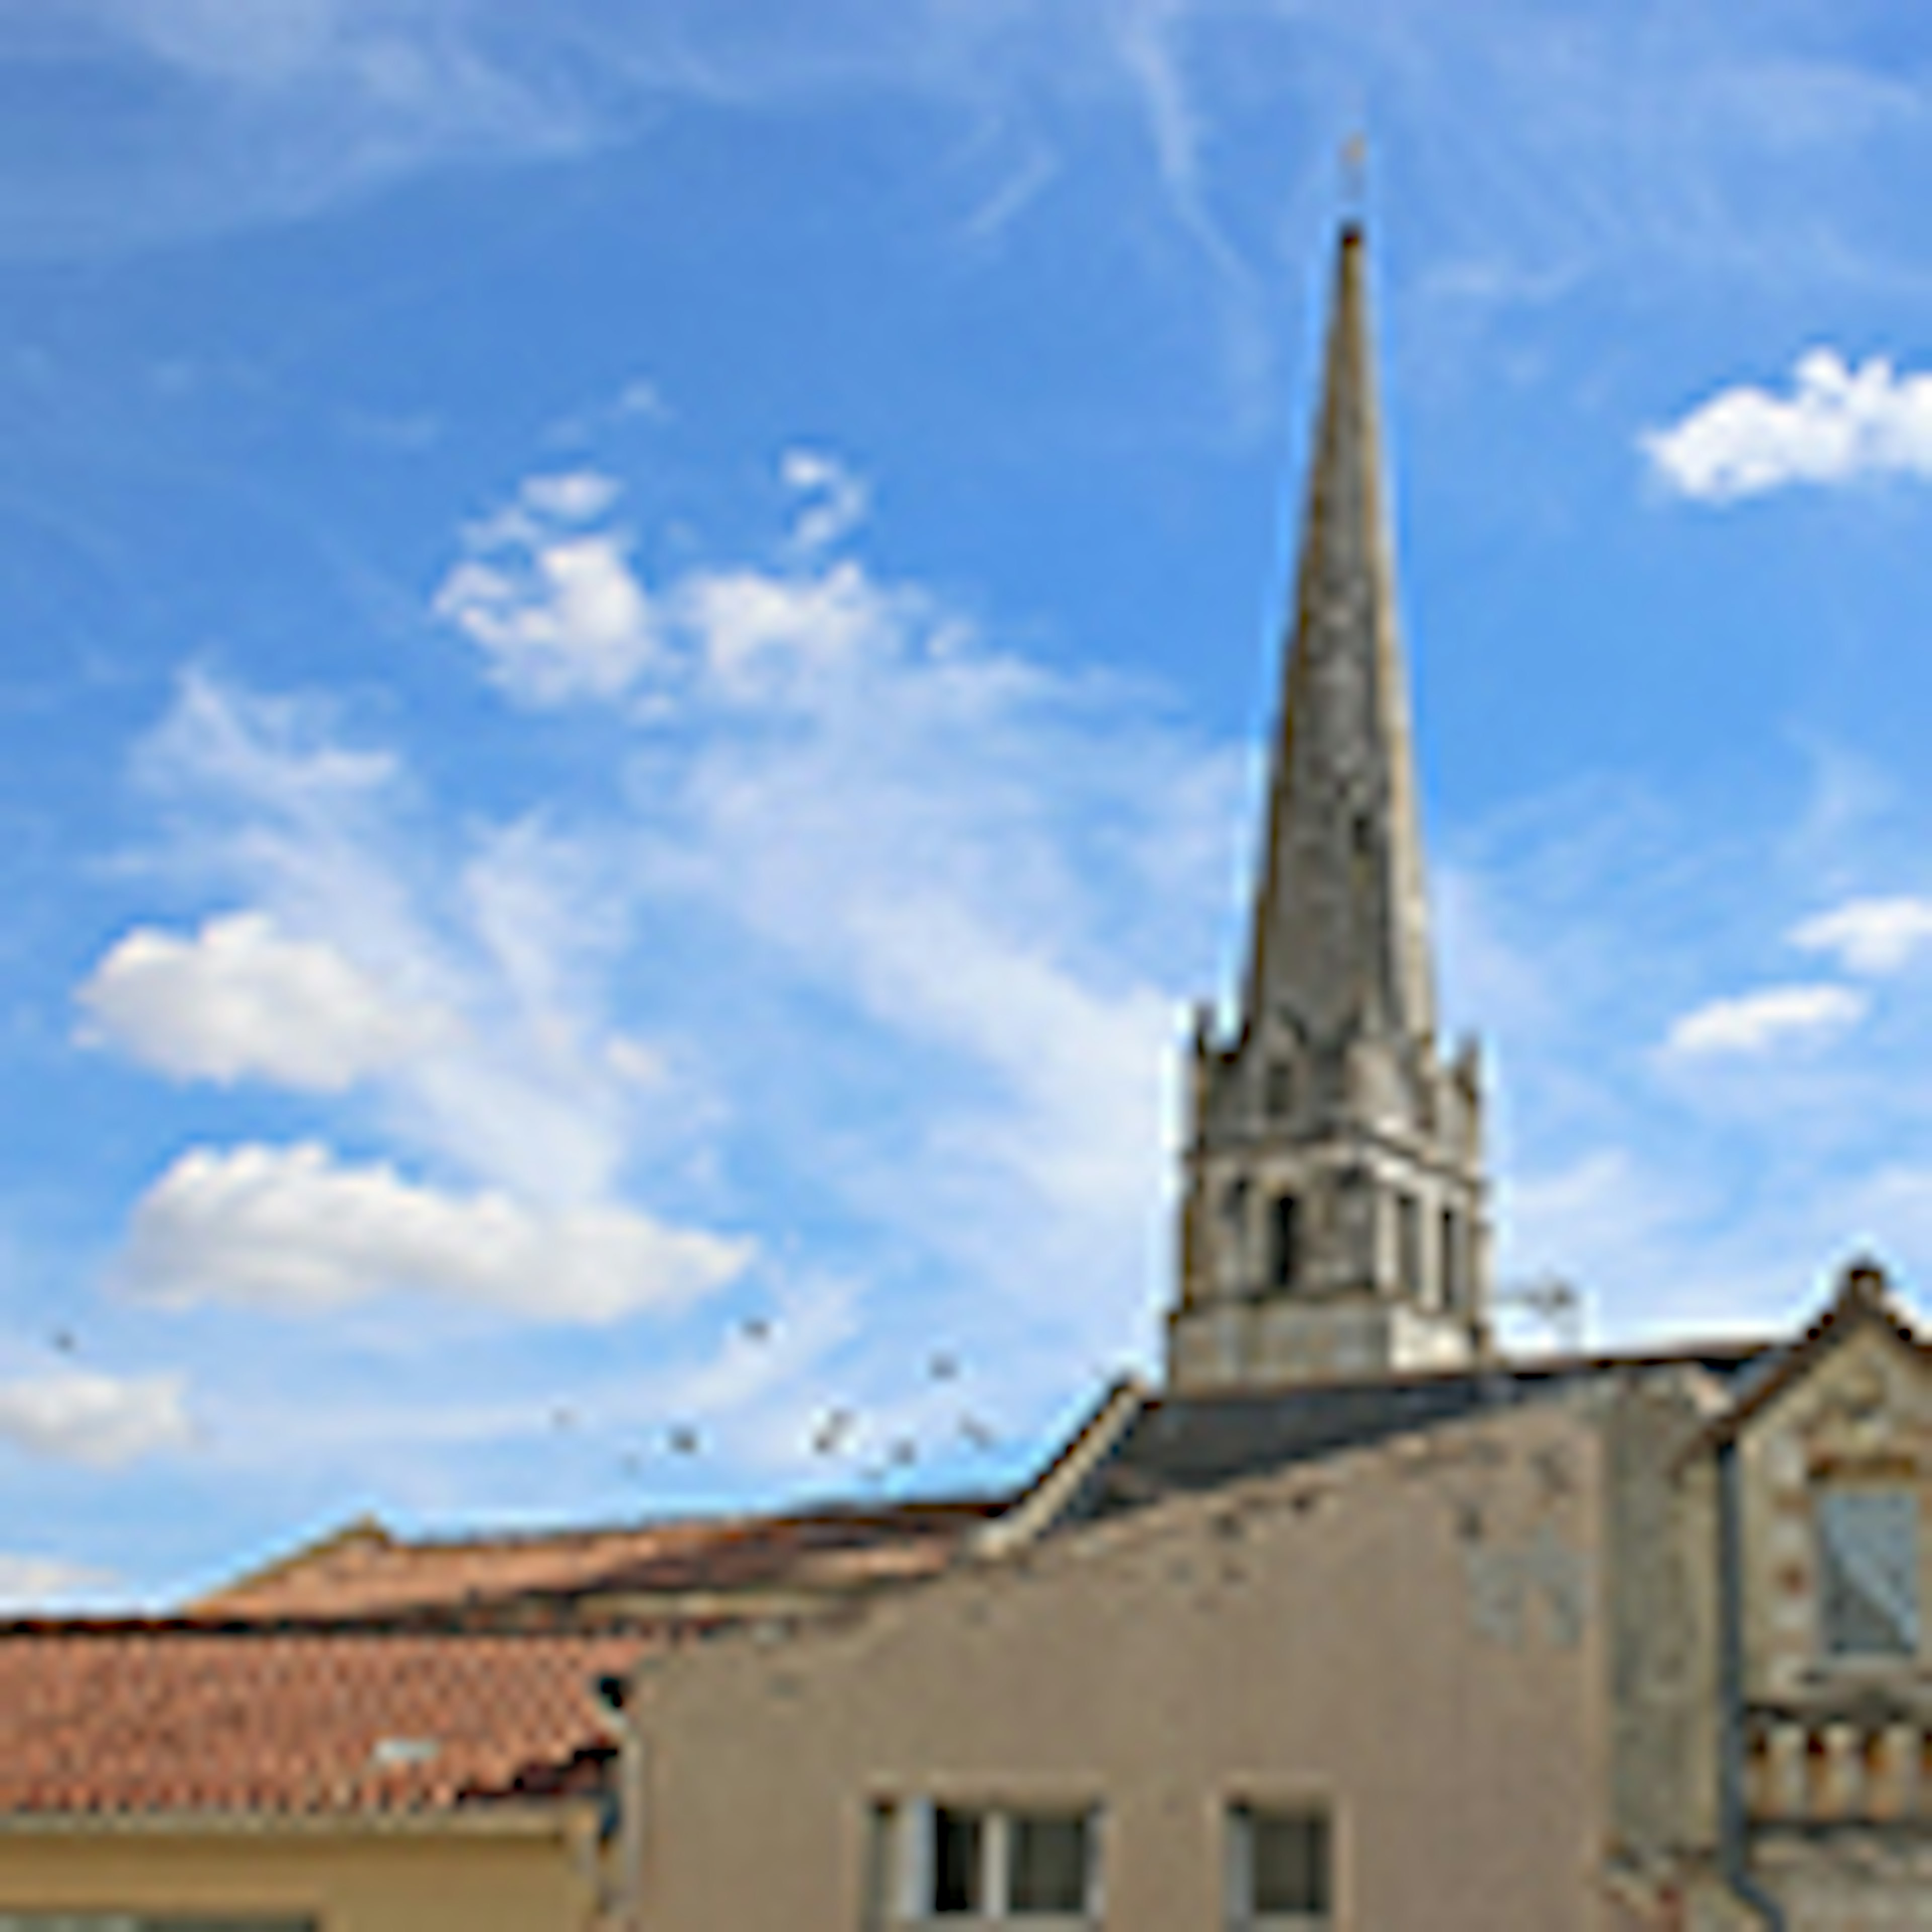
1868 1570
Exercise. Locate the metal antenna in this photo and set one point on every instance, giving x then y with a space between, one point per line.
1554 1302
1354 162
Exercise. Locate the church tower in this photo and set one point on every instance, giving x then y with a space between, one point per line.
1333 1225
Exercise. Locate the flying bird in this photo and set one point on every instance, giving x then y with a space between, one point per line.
977 1433
684 1441
829 1438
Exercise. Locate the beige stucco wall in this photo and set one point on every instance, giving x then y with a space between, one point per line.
1411 1634
350 1878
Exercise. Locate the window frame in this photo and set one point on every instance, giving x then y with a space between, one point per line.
1844 1486
911 1875
1240 1817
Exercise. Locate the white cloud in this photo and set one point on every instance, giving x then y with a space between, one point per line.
508 933
570 496
239 1000
550 599
763 638
837 500
292 1228
32 1582
1837 425
101 1421
568 620
1748 1023
1870 935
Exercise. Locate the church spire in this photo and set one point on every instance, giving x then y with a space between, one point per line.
1334 1220
1341 935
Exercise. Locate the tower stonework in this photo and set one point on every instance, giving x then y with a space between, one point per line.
1333 1223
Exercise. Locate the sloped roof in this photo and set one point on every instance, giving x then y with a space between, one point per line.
364 1572
1181 1443
119 1718
1863 1300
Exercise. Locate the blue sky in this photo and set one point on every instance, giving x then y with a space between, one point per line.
637 639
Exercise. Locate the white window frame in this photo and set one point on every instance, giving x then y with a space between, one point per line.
912 1830
1238 1821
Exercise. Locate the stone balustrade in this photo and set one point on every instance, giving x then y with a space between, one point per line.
1805 1770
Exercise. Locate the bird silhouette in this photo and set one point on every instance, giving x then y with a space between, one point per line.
829 1438
977 1433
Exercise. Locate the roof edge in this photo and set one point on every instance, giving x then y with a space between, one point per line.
1037 1509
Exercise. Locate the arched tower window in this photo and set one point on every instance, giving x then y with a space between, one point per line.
1284 1243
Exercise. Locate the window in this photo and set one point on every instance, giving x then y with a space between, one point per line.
1280 1872
1868 1570
1408 1245
1449 1260
958 1863
982 1864
1285 1242
1278 1090
1046 1871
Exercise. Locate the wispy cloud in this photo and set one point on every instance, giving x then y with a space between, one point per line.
34 1582
836 502
502 931
940 886
1870 935
1773 1016
1837 425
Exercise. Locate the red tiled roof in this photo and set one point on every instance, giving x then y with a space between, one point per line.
161 1717
363 1571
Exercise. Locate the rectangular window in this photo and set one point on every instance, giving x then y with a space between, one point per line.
958 1862
1046 1870
1280 1869
1449 1260
1408 1244
1868 1570
982 1864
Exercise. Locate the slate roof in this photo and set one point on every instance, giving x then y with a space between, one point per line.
365 1572
1183 1443
125 1717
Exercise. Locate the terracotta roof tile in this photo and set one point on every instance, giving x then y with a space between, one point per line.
363 1571
119 1718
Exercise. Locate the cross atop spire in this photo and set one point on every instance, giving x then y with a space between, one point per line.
1334 1218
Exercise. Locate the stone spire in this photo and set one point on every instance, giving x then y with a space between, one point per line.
1334 1224
1341 931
